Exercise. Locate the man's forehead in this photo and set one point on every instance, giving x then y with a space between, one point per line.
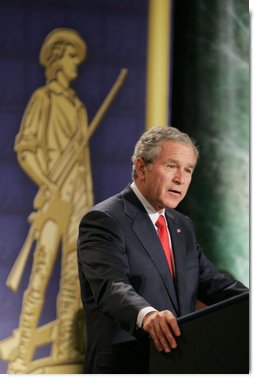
177 152
177 147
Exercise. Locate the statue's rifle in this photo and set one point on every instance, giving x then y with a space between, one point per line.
65 162
58 174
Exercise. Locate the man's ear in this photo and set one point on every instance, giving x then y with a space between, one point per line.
140 167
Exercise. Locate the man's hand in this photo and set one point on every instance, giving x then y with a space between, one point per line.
162 327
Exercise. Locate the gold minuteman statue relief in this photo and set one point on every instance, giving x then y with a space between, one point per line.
53 149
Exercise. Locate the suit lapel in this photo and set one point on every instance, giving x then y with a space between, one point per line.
179 251
144 230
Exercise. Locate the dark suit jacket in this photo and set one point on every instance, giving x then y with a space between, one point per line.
122 269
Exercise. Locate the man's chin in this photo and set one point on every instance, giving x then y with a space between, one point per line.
172 203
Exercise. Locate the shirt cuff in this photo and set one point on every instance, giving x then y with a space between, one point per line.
142 314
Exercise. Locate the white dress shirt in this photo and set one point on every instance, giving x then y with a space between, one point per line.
154 215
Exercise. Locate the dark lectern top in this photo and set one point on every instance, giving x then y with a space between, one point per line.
214 340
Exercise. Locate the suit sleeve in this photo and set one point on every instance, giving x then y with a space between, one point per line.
215 286
103 263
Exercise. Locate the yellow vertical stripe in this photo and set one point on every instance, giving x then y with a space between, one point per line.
157 100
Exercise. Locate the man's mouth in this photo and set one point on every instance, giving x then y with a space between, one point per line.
175 191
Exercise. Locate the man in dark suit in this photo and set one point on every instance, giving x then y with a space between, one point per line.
133 283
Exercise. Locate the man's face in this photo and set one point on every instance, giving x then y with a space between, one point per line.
70 62
165 182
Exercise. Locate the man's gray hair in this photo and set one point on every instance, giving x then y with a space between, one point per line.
149 145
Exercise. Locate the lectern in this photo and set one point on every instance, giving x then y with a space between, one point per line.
214 340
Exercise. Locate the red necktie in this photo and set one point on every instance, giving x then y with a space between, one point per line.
163 235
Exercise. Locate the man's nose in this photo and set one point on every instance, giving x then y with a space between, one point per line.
179 177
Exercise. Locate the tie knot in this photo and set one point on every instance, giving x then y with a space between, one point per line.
161 222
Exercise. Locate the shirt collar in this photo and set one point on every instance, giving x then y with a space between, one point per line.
56 87
153 214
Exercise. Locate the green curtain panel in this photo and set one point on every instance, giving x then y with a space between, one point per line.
210 101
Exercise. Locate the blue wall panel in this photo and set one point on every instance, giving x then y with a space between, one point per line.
115 32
